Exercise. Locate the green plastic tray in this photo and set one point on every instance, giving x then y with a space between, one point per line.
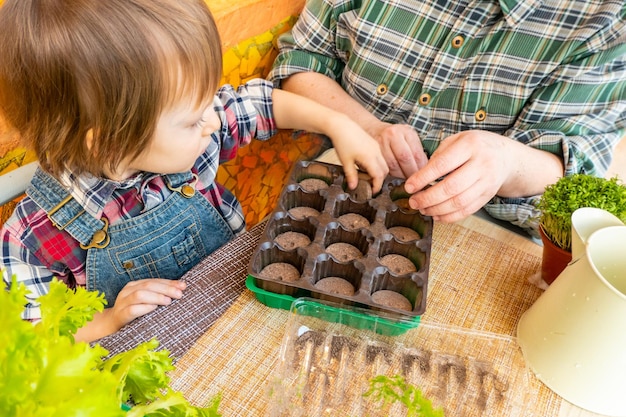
356 317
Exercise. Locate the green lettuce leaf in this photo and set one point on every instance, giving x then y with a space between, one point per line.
45 373
64 311
141 372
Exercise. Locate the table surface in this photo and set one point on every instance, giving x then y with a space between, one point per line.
225 341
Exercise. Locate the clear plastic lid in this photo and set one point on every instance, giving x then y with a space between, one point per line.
328 363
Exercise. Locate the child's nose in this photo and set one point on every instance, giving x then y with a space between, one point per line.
212 124
207 130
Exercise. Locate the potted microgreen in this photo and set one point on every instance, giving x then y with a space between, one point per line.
557 204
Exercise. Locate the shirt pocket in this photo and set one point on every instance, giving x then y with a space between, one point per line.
345 35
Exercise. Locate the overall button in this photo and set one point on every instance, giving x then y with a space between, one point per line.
457 41
98 237
424 99
382 89
480 115
187 191
128 264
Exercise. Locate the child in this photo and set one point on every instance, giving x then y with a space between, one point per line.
118 100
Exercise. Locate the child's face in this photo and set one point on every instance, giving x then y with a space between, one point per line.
182 134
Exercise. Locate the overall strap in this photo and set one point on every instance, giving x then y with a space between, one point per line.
183 183
66 213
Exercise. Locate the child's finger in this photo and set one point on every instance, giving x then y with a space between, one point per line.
378 170
377 183
352 178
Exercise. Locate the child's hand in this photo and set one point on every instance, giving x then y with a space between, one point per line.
356 148
138 298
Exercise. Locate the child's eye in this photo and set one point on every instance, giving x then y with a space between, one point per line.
200 123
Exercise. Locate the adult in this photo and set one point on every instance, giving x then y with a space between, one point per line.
489 101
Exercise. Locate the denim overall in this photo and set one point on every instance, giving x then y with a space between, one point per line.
164 242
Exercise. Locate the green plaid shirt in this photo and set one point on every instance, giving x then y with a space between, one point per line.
548 73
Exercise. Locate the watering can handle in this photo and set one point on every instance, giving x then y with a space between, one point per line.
585 221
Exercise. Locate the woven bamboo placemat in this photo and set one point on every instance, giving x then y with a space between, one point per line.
213 285
475 282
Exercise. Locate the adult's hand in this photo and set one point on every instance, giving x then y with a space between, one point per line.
401 148
474 166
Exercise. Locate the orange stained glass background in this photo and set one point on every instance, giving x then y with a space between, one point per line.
261 169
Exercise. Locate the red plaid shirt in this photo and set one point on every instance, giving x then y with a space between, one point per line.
35 251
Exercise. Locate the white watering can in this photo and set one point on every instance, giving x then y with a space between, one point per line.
574 336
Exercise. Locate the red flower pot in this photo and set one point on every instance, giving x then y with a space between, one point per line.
554 260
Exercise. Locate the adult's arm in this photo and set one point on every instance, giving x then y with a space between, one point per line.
309 64
399 143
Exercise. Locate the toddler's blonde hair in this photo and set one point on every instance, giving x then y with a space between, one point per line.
107 67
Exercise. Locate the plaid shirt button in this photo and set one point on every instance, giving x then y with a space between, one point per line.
480 115
382 89
457 41
425 99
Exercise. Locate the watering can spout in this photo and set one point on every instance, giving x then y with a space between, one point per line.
585 221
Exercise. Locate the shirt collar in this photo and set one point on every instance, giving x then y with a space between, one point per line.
93 193
517 10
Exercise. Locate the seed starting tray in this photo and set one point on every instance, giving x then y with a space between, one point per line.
383 211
